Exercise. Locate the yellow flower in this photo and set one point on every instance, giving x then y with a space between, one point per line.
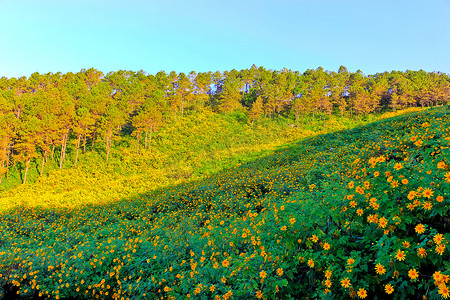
400 255
441 165
427 193
440 249
447 177
326 246
438 238
225 263
262 274
398 166
413 274
389 288
421 252
382 222
427 205
420 228
279 271
346 282
411 195
362 293
379 268
444 291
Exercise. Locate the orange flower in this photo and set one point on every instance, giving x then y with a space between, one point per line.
326 246
400 255
225 263
420 228
438 238
398 166
311 263
444 291
362 293
359 211
263 274
427 205
394 183
410 206
439 198
412 195
279 271
440 249
350 261
421 252
379 269
427 193
314 238
447 176
441 165
413 274
382 222
360 190
389 288
351 184
405 181
346 282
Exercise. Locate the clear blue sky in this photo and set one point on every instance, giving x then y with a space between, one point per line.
374 36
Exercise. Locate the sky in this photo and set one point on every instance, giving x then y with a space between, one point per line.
209 35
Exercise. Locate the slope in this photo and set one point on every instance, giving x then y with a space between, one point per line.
361 212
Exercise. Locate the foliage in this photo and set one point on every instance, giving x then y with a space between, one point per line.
360 212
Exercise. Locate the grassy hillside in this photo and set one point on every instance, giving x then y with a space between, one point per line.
198 145
361 212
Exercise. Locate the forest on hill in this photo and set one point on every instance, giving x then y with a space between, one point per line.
45 115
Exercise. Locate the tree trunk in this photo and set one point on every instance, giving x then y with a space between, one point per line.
150 138
84 143
78 148
146 139
138 137
93 139
44 157
53 152
63 150
108 145
27 165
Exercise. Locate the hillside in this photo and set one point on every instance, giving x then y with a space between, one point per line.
199 145
360 212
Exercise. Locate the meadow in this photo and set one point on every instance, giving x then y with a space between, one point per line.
357 212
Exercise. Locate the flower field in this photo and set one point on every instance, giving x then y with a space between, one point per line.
360 213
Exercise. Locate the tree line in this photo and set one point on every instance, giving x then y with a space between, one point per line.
42 115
